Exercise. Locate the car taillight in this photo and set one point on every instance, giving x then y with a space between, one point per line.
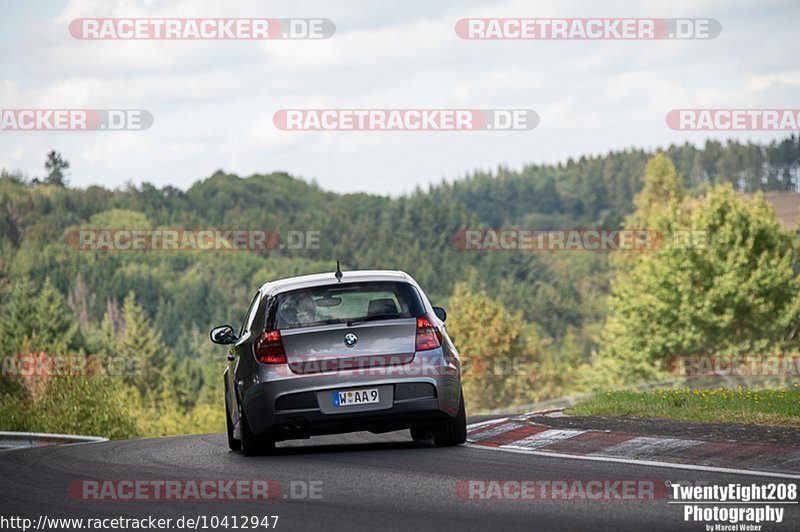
269 348
428 337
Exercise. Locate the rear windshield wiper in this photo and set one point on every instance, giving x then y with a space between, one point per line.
373 318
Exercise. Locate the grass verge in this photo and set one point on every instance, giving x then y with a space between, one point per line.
780 406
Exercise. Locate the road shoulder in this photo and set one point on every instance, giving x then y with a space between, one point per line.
740 447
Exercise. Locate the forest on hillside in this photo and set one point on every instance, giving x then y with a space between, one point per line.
577 320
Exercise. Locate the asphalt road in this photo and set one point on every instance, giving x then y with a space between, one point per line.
368 482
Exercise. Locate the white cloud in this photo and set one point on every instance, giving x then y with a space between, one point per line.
213 101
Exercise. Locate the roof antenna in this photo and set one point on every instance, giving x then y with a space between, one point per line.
338 273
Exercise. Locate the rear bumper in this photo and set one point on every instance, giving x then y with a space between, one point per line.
399 416
301 406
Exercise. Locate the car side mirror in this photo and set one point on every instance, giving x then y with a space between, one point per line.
223 335
440 313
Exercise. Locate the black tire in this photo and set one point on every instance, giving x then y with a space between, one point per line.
253 445
452 430
421 434
233 443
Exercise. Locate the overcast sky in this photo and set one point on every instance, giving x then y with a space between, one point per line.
213 101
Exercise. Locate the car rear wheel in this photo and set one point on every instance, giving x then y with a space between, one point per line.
233 443
253 445
452 431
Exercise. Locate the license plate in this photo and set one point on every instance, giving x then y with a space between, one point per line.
356 397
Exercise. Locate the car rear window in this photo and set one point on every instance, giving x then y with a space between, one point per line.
346 302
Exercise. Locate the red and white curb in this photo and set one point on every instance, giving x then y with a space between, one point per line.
517 434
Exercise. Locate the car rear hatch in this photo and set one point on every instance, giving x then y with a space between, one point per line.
328 348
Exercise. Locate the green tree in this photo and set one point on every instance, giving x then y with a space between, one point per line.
18 315
55 167
490 339
661 189
732 291
140 340
53 329
37 323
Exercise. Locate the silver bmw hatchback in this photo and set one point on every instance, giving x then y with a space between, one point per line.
341 352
